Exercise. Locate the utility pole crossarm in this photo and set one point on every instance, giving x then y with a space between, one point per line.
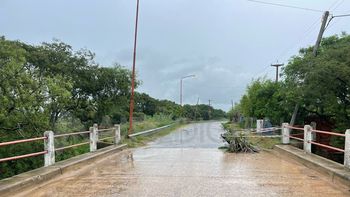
277 66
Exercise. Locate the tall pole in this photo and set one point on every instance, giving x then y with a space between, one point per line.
195 114
133 70
320 34
317 45
182 78
277 66
209 111
181 91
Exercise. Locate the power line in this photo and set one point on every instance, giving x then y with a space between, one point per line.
336 16
343 15
335 5
301 38
306 33
340 2
331 25
311 29
287 6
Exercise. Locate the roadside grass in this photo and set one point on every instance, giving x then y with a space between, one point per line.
143 140
149 123
265 143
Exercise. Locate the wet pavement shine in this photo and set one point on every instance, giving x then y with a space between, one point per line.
188 162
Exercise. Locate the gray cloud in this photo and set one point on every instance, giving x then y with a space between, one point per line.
225 43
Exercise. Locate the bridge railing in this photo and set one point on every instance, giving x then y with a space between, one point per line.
309 138
49 143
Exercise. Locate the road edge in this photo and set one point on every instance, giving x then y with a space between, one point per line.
335 172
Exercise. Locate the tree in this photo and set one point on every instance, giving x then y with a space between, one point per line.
321 84
265 99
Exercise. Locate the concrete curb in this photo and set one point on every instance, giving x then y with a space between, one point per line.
40 175
336 172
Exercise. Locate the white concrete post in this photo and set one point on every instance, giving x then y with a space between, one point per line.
285 133
347 149
49 146
116 134
93 137
307 138
259 125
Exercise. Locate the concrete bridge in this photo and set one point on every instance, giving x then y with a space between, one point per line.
187 162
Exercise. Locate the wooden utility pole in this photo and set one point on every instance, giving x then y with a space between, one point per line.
133 69
317 45
320 34
195 114
277 66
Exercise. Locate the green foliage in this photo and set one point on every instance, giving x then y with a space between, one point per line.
265 99
49 86
202 112
321 84
52 87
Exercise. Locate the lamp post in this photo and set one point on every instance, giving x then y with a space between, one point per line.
133 70
182 78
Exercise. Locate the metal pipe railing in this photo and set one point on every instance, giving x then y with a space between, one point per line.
71 146
264 130
296 138
22 141
308 140
326 146
106 138
23 156
70 134
329 133
49 142
102 130
296 128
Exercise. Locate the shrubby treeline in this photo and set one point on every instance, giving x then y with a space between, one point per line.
318 86
52 87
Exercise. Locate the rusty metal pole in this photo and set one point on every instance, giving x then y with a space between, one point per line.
133 70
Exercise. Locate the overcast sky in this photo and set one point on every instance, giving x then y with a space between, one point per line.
225 43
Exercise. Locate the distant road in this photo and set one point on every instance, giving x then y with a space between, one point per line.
188 162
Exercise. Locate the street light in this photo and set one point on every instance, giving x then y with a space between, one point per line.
182 78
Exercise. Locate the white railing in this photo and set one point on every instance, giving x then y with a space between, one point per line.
49 143
309 139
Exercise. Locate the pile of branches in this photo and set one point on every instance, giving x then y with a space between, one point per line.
238 142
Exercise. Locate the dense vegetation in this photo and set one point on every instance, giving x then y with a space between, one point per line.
319 87
52 87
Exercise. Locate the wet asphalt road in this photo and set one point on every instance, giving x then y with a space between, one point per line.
188 163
